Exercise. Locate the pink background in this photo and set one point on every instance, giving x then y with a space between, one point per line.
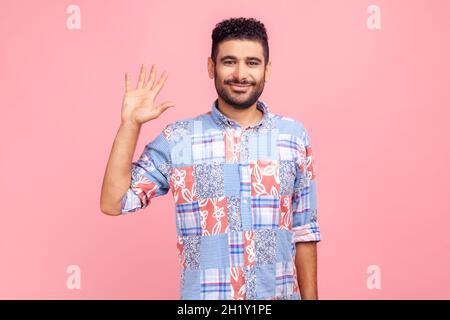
375 103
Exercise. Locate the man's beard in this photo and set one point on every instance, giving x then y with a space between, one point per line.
256 90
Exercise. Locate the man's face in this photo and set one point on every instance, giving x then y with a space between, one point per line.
239 72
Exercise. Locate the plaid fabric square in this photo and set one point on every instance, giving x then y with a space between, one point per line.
285 217
304 206
265 178
263 144
232 180
215 284
236 244
265 212
208 147
188 219
244 170
301 199
284 245
190 284
284 279
265 280
237 282
246 213
214 215
290 147
183 185
214 251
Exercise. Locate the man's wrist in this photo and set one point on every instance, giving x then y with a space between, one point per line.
130 124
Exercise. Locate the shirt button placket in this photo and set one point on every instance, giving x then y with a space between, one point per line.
246 193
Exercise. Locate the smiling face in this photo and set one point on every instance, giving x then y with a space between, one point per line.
239 72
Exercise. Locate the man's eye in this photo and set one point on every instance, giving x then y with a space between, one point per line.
253 63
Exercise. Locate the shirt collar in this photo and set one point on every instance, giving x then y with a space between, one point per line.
222 119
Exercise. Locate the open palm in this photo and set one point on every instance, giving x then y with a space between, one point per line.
138 104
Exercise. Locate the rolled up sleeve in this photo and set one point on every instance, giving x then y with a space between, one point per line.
149 176
304 203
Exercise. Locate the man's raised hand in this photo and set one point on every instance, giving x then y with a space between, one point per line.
138 104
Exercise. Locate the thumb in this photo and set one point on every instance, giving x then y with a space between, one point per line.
166 105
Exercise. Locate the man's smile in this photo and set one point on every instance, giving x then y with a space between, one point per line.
239 87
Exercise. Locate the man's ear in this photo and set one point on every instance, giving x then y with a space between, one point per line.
267 71
210 67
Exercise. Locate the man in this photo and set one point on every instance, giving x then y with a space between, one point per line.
242 178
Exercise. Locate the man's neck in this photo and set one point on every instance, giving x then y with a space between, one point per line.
245 117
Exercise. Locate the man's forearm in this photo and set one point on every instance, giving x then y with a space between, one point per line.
306 265
118 170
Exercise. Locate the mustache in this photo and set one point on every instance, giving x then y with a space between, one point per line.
240 82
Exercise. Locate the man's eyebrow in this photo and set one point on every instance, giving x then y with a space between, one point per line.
234 58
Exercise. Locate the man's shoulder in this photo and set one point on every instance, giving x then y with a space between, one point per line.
289 125
183 126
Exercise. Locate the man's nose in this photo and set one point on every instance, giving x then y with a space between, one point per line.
240 71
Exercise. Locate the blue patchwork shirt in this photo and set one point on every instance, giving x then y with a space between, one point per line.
243 196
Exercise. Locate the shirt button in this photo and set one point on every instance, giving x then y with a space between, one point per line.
244 201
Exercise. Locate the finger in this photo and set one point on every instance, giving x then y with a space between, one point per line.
158 86
127 82
141 77
165 105
151 78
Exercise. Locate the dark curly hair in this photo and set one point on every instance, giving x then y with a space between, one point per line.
240 28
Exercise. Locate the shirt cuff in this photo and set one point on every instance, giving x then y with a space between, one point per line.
130 202
307 232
